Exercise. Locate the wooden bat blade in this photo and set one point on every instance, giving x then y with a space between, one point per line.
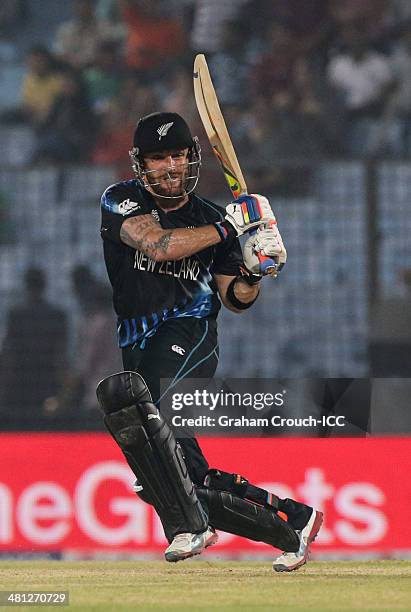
216 130
215 127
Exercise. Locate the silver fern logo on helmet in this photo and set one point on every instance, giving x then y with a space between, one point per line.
163 129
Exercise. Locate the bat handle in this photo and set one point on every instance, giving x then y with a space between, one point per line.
267 265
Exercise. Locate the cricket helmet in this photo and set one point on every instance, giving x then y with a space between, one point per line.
164 132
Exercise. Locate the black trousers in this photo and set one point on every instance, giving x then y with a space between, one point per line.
183 347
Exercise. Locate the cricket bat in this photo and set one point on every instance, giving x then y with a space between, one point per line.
216 130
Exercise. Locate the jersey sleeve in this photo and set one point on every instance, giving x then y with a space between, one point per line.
116 206
228 258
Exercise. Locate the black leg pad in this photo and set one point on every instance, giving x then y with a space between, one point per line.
233 514
152 453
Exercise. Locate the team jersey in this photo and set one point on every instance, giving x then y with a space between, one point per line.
145 292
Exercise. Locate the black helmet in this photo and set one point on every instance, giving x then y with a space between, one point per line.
160 132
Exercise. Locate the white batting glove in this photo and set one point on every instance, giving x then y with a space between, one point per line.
248 212
266 241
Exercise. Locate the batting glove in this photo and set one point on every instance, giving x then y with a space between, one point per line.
266 241
246 213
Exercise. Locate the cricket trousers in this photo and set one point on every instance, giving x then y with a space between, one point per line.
181 348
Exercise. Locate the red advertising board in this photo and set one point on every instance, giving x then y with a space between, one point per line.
73 492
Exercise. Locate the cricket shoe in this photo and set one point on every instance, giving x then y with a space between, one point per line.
290 561
187 545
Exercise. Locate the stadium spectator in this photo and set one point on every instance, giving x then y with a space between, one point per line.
77 40
309 20
400 103
179 96
34 355
294 121
209 20
376 18
155 39
364 79
42 84
68 131
401 10
7 230
273 71
103 78
351 12
282 134
96 355
133 101
230 65
12 14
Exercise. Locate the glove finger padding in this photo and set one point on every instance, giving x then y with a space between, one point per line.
251 261
266 241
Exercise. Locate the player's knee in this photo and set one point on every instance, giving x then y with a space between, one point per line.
121 390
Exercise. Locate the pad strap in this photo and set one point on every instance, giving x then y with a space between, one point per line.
235 483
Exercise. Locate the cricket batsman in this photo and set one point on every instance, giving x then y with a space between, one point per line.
173 258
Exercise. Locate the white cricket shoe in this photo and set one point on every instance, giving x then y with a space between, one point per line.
290 561
187 545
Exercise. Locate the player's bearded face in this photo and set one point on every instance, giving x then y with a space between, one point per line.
166 172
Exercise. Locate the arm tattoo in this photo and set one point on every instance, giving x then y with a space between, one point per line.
145 234
135 234
163 242
152 249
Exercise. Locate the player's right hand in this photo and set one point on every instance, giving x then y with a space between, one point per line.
266 241
249 212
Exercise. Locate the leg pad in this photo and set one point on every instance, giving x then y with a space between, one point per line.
152 452
233 514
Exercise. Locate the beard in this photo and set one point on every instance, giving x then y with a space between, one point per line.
170 185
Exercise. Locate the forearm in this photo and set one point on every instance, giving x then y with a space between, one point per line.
163 244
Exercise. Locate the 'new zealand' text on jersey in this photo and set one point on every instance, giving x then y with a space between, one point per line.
146 292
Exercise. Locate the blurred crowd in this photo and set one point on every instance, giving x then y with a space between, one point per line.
296 79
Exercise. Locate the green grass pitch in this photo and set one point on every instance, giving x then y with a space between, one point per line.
215 585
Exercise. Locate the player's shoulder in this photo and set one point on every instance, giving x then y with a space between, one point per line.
125 197
212 211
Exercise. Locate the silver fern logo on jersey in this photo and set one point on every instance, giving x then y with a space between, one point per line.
163 129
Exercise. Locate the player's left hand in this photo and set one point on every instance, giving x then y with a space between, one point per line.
266 241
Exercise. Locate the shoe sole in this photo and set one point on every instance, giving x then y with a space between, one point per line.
173 557
318 521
